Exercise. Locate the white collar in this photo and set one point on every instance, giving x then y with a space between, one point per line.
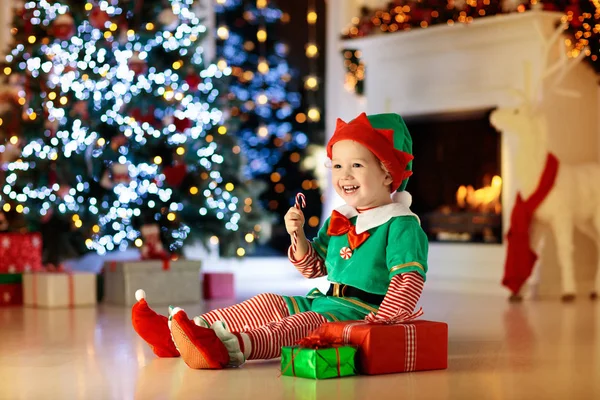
375 216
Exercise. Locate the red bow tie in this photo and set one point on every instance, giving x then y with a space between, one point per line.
339 225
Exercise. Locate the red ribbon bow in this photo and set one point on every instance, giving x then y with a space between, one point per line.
315 342
339 225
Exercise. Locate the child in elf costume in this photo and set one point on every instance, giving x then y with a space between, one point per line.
372 250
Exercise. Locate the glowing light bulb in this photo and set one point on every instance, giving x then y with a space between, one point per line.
262 99
263 66
223 32
311 17
312 50
263 131
311 82
158 160
314 114
261 35
241 252
139 242
249 238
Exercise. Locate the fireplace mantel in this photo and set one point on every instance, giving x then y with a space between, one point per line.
462 68
451 68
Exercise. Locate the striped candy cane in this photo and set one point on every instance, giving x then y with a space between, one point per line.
300 203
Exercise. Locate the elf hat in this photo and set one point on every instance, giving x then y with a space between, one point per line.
386 136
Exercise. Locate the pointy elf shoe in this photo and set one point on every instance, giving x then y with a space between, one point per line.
152 327
199 347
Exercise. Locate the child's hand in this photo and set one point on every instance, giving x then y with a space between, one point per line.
294 221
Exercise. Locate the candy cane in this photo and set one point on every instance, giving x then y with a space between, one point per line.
300 203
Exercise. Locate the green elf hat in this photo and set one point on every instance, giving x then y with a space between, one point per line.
386 136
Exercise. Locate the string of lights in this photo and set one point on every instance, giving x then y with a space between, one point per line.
311 82
582 17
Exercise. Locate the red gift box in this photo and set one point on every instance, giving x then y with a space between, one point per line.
217 286
20 252
11 294
384 349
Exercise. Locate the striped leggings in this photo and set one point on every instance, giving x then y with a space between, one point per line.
267 322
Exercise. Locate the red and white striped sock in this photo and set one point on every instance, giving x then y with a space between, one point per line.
266 341
250 314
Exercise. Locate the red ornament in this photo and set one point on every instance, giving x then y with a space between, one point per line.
63 27
99 18
575 11
145 116
182 124
193 80
137 65
174 175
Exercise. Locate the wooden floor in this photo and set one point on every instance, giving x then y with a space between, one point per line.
543 350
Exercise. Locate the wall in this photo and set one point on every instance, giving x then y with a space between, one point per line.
5 17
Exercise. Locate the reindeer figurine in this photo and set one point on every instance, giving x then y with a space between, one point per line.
573 202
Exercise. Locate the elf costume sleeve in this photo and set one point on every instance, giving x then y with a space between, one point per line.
407 247
313 263
401 298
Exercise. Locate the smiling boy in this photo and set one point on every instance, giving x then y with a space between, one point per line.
372 250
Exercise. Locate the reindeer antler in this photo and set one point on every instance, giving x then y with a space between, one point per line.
563 63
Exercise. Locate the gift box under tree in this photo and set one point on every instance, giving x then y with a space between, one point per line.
59 289
165 282
315 362
389 348
11 290
20 252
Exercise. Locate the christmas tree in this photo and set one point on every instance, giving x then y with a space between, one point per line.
269 121
116 128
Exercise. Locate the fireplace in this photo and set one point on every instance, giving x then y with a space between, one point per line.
457 183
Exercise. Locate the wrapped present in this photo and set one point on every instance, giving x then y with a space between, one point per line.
11 294
218 285
165 282
59 289
20 252
315 361
11 278
389 348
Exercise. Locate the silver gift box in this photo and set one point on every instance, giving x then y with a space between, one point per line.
179 284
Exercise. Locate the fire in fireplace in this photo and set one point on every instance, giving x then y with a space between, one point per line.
456 186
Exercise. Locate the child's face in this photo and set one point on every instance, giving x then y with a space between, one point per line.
358 177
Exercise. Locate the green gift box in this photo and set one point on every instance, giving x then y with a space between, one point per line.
323 363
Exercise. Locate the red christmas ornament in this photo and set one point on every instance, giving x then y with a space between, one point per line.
63 27
174 174
145 116
575 10
182 124
99 18
137 65
193 80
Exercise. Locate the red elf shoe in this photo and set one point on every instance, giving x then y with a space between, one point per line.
152 327
199 347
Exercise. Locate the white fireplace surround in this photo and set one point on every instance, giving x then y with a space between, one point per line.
452 69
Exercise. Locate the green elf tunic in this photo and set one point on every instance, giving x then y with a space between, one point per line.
396 245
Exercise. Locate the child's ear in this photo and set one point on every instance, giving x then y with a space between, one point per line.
388 179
